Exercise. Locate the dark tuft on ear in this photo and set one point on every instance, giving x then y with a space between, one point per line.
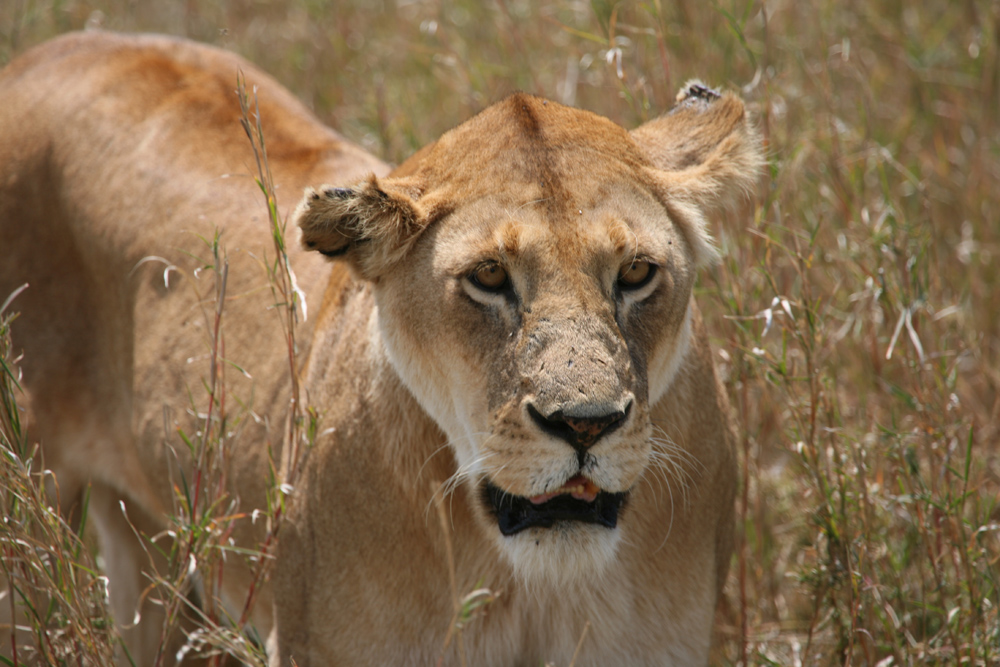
371 224
694 93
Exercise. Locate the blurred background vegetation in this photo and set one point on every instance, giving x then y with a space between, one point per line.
857 312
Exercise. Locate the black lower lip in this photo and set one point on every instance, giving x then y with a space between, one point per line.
516 513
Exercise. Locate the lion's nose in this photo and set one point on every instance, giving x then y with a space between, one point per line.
579 431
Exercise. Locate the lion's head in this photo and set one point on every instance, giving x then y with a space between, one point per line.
533 272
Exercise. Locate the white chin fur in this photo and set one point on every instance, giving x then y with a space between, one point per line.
562 555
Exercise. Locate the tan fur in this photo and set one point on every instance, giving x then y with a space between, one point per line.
425 384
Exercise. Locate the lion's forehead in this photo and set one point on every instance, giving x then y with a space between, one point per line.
531 123
531 143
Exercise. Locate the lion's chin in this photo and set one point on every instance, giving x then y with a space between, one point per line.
560 556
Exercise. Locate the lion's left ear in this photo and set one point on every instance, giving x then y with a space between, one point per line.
708 158
371 225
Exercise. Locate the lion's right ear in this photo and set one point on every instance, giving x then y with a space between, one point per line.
371 225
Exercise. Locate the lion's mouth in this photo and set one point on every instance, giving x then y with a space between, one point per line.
578 499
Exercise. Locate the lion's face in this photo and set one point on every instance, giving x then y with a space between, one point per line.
537 333
532 271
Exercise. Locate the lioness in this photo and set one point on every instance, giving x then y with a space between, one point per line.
506 329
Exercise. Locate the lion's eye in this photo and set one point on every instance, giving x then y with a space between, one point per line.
490 277
637 274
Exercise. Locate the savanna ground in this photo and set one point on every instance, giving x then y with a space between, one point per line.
856 313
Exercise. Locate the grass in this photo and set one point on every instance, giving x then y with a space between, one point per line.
855 313
50 575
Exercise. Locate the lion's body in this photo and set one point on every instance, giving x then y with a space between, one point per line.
118 149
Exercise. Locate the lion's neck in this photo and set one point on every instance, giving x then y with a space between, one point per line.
350 376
